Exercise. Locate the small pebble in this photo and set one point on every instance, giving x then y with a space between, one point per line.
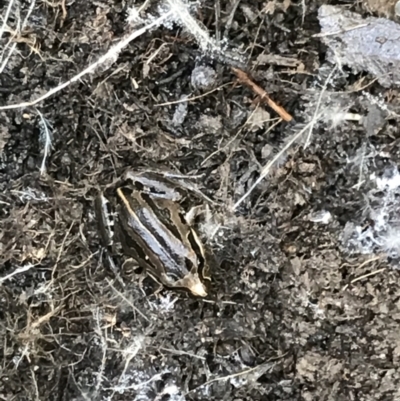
203 77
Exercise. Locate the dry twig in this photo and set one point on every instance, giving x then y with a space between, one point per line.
244 79
189 99
17 271
368 275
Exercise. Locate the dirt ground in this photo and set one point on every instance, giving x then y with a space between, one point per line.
305 298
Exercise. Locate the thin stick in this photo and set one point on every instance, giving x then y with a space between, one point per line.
266 169
45 318
314 119
359 267
111 54
16 271
368 275
47 134
37 398
181 11
189 99
263 368
360 177
244 79
217 7
104 347
341 31
178 352
127 301
224 378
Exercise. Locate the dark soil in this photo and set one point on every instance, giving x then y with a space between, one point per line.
299 309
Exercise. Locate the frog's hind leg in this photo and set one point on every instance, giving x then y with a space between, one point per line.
160 286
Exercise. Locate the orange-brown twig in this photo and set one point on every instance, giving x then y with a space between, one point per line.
244 79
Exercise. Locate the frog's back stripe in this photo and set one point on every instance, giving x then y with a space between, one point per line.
156 254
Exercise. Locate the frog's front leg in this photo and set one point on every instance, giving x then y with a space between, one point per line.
130 265
159 289
194 212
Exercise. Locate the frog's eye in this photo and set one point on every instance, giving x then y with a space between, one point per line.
172 277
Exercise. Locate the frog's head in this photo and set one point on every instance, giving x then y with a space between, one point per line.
194 284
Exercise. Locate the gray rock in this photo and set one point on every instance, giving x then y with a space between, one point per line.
364 44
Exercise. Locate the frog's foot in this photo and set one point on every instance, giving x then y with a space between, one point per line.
158 290
131 270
